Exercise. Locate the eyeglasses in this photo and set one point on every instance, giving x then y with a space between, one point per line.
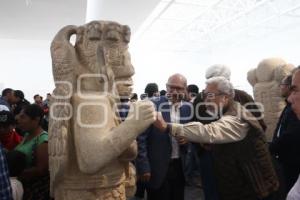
211 95
175 87
284 84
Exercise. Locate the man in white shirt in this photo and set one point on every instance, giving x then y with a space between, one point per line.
160 156
294 193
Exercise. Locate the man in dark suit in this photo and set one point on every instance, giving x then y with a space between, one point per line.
286 145
161 157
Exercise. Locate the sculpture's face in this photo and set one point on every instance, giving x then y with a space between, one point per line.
124 86
294 97
105 44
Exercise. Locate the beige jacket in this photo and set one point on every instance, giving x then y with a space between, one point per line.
227 129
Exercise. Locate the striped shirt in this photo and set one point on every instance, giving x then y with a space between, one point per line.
5 187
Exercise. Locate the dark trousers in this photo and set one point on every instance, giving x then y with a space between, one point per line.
140 189
291 173
208 177
270 197
173 185
281 193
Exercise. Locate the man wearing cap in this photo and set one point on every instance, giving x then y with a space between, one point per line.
20 101
9 138
7 99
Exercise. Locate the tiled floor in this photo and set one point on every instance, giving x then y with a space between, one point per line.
192 193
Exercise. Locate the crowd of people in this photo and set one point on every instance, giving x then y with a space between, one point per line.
210 141
23 146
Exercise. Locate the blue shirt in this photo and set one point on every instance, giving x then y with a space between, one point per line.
5 187
123 109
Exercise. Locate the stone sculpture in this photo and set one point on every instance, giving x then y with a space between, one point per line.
89 148
265 80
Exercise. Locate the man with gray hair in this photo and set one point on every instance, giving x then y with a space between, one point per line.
218 70
201 114
239 95
243 165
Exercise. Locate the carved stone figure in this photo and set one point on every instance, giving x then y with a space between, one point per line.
89 147
265 80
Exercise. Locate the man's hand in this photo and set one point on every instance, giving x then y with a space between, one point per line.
145 177
160 123
181 140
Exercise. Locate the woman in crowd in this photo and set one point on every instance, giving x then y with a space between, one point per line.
35 177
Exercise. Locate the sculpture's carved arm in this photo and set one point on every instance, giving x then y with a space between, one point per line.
95 150
130 153
96 147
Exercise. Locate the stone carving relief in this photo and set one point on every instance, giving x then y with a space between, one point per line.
265 80
89 148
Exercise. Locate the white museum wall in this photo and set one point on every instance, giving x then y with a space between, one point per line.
26 64
240 56
28 28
